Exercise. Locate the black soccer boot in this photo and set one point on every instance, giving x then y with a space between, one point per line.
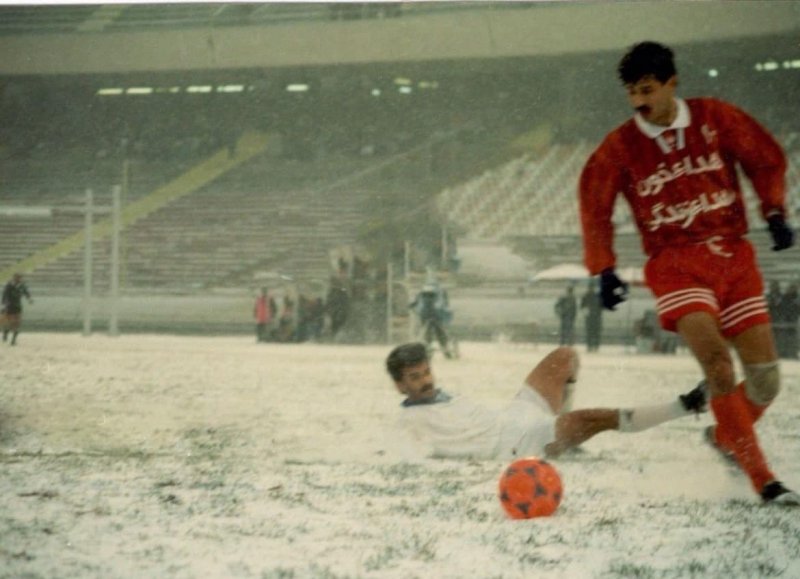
774 493
696 399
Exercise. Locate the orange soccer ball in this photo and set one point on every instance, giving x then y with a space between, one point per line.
530 487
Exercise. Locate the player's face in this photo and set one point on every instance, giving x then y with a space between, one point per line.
417 382
653 99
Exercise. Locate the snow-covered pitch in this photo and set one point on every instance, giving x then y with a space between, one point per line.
164 456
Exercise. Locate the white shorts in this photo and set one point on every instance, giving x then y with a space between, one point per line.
528 426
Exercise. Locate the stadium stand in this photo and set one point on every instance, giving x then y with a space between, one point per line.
212 235
274 214
531 203
198 229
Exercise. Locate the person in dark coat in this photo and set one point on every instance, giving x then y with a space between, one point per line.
567 310
774 296
338 307
787 316
432 306
13 293
591 302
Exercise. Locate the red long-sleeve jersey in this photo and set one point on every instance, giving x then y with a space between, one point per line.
682 187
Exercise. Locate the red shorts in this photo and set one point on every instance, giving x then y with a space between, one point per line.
720 277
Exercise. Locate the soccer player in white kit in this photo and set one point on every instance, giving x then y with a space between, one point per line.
538 421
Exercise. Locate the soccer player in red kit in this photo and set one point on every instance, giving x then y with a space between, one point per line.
675 162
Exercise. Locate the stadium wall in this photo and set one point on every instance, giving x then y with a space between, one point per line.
480 315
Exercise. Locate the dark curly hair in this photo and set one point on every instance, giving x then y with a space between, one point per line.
646 59
405 356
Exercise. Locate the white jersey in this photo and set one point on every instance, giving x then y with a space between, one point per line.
455 427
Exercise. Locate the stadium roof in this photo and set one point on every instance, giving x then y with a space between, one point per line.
116 37
43 18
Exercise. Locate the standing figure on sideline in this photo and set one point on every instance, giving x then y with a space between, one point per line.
287 320
264 313
676 164
337 306
432 306
537 421
12 306
594 317
774 297
567 310
788 315
316 318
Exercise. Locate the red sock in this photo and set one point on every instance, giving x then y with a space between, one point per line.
756 410
735 432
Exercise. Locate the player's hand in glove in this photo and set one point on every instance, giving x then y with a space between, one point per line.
782 234
613 290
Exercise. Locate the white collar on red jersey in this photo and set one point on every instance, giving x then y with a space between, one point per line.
682 120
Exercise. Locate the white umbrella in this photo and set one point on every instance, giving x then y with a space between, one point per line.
632 275
562 272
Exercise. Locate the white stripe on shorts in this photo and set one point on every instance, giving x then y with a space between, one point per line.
677 299
742 310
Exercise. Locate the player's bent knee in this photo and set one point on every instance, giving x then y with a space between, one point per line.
762 382
568 357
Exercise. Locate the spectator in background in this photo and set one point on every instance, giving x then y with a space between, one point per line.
566 310
338 306
316 319
310 318
286 323
264 312
787 316
594 317
644 331
13 292
774 297
433 309
301 330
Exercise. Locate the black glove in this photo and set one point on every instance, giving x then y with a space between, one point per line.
613 290
782 234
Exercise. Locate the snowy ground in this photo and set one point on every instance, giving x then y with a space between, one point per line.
159 456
